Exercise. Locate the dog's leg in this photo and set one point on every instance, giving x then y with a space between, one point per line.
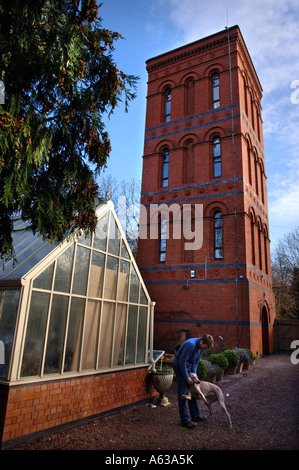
209 401
201 395
222 404
188 397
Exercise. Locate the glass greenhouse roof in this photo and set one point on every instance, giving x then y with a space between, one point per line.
29 250
81 305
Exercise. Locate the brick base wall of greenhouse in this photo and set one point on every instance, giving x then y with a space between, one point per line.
31 410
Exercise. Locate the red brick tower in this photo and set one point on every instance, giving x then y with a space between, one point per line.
204 148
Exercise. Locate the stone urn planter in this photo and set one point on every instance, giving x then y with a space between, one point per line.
162 381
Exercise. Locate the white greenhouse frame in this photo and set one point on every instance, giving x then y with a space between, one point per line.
25 284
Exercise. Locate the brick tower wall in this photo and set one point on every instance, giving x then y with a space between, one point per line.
227 297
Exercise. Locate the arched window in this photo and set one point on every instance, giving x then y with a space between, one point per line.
266 249
216 157
189 162
218 235
189 97
249 165
162 238
260 245
165 167
262 183
252 113
245 96
167 104
252 239
256 168
215 91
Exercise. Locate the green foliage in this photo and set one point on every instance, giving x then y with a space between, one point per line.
201 370
250 354
220 360
232 357
243 355
60 79
212 369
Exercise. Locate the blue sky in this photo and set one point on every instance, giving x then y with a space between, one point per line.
271 31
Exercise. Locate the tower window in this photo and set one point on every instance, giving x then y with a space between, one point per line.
218 235
165 167
162 238
167 104
215 91
216 157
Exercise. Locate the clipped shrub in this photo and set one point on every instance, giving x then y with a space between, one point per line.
232 357
251 355
201 370
243 355
219 360
212 370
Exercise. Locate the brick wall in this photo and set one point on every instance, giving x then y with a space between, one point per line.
36 408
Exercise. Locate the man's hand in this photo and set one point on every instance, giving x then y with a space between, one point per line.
190 381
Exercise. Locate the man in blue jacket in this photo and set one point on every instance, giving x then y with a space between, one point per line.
185 363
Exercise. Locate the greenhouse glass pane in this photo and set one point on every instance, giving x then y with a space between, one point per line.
124 252
107 323
64 270
74 334
119 335
32 261
85 239
114 237
131 334
123 281
134 286
110 278
27 244
35 334
81 271
90 339
141 341
100 235
143 299
56 334
44 280
96 277
9 302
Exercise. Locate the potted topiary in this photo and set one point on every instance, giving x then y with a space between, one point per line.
233 361
201 370
211 371
220 361
251 359
243 358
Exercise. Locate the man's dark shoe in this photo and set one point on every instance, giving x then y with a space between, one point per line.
198 419
189 425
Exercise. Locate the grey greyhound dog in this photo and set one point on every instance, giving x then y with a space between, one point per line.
209 393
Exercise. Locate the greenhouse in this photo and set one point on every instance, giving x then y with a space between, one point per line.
72 310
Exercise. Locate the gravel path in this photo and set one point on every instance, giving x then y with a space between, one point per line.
263 403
